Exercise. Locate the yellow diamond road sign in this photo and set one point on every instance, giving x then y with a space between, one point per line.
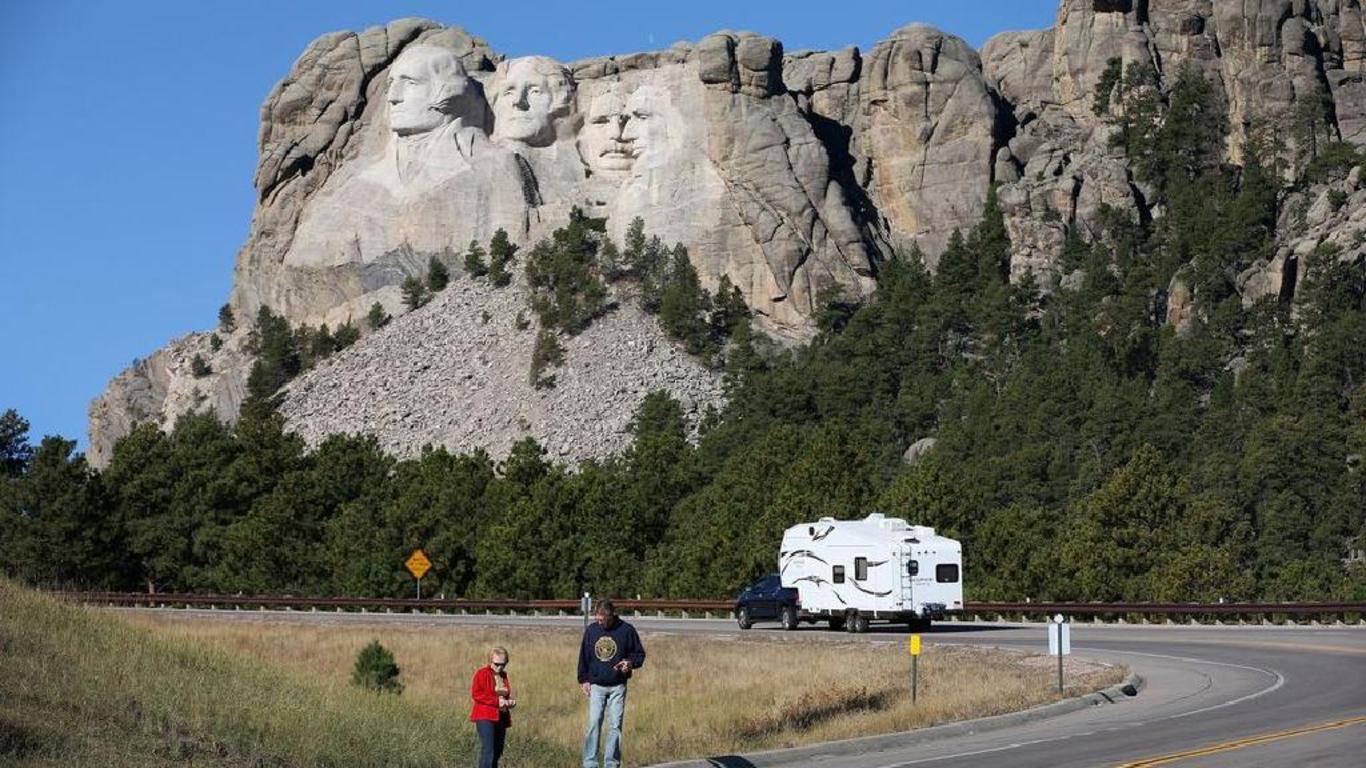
418 564
915 645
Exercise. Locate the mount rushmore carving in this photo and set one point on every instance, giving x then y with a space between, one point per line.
442 153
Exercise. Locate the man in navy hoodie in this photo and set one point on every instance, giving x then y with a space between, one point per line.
611 649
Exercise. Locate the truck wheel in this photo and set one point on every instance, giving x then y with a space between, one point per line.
836 623
789 618
860 624
742 618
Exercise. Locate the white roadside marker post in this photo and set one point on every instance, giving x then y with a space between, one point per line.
1059 642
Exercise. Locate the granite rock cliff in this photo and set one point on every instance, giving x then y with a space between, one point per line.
790 174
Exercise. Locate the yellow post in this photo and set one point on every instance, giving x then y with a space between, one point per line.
915 665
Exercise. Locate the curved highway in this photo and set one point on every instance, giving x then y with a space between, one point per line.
1213 696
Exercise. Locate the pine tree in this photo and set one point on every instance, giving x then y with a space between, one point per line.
414 293
438 277
729 309
346 335
324 343
226 320
610 262
501 253
683 304
474 260
547 353
376 670
199 368
633 254
377 318
15 451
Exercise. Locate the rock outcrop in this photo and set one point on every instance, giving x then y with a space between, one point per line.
789 174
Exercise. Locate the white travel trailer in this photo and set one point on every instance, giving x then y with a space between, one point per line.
881 569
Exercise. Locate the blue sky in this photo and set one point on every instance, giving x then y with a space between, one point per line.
128 144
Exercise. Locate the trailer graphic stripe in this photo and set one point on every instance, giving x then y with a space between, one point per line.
818 581
870 592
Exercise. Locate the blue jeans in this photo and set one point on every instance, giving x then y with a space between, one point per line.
491 737
612 699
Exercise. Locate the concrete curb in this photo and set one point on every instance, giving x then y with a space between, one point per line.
865 744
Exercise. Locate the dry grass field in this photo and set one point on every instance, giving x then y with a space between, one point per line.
696 695
81 688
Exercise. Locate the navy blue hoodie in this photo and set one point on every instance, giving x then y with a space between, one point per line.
603 648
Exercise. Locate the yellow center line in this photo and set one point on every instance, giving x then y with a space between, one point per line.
1239 744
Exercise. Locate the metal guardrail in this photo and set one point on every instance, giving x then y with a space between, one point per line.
1337 611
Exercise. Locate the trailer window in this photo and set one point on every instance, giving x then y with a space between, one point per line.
946 573
837 574
860 569
913 567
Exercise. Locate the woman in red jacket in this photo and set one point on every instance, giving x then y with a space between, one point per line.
493 703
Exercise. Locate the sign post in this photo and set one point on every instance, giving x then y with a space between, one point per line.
1059 642
914 644
418 565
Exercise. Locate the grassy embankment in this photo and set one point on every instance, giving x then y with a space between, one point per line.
79 687
697 695
84 687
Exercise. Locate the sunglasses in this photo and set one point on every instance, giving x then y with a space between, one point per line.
500 664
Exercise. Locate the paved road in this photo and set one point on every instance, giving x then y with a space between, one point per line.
1214 696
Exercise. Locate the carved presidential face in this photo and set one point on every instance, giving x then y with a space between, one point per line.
649 124
425 86
532 95
601 142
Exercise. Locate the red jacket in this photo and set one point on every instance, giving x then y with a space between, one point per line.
485 700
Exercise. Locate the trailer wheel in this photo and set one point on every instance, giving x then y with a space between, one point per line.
742 619
836 623
859 624
789 618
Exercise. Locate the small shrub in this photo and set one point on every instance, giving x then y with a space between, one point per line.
521 322
199 367
1337 198
226 320
485 317
377 318
376 670
215 342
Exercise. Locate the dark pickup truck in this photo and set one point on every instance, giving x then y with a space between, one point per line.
768 599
